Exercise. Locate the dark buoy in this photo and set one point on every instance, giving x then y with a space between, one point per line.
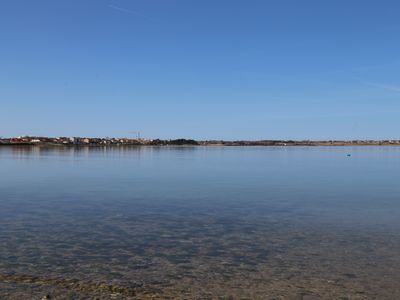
348 154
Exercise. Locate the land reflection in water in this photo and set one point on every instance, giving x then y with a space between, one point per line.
199 222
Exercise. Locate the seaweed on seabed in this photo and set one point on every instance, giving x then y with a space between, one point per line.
72 284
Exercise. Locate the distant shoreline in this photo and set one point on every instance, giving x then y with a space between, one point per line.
95 142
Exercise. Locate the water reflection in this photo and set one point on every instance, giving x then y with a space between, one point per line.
32 152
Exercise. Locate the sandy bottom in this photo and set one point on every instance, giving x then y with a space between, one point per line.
195 257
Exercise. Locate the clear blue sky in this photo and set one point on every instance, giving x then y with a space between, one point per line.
202 69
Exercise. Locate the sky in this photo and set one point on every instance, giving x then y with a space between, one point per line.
209 69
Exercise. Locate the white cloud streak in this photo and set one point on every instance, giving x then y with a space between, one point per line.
384 86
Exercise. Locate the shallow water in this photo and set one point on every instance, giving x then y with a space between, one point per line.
200 223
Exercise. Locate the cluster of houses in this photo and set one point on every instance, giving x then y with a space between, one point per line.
362 142
29 140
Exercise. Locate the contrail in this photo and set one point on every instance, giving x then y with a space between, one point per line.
131 12
125 10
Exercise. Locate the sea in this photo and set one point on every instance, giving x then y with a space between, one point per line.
195 222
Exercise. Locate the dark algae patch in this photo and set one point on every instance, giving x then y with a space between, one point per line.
72 285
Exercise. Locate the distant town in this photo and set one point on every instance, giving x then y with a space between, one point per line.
86 141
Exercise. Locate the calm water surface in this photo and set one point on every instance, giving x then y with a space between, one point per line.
200 223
